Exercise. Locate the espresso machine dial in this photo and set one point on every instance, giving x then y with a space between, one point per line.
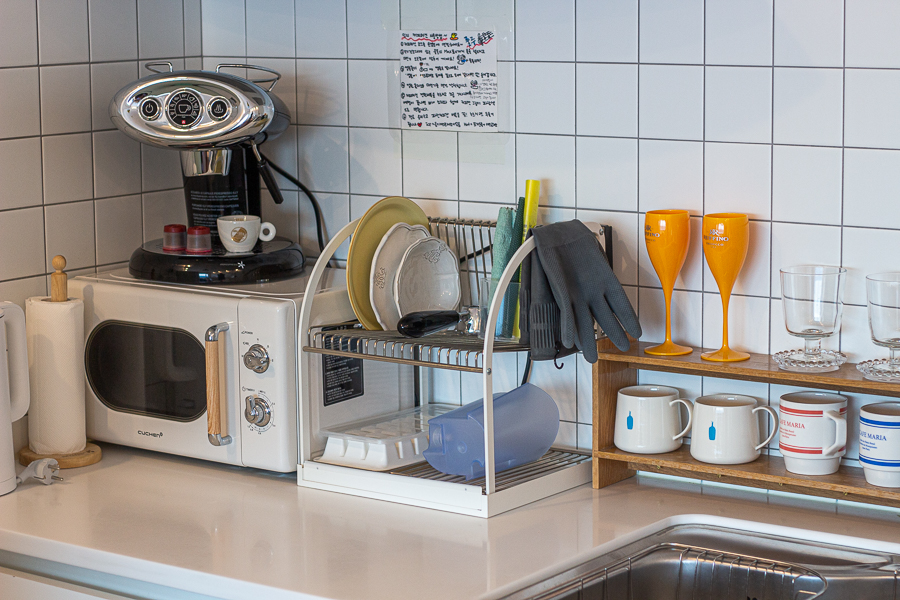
184 108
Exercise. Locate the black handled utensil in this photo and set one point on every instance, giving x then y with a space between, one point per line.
419 324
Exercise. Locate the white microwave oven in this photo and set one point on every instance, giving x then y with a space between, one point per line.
210 372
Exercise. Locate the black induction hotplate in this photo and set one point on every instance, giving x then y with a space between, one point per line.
279 258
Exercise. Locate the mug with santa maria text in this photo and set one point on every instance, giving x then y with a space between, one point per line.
879 443
813 432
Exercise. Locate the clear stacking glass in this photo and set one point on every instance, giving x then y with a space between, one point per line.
883 298
812 298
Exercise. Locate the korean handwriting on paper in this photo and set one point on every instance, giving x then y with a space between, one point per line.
448 80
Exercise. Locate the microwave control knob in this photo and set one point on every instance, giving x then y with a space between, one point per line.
257 411
256 359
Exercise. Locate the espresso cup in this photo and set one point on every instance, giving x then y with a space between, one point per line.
726 430
648 420
238 233
879 443
813 428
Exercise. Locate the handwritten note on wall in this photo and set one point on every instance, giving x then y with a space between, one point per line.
448 80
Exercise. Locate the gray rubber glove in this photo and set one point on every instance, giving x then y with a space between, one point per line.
585 288
539 314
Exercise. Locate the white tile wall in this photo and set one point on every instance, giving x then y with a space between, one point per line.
739 104
739 32
606 100
671 32
113 29
808 106
606 31
783 109
63 31
69 182
18 33
161 27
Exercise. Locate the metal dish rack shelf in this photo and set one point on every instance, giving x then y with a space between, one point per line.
420 484
444 350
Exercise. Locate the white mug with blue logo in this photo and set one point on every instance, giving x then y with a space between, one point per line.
648 419
726 429
879 443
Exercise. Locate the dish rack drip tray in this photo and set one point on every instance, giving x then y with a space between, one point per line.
382 443
553 460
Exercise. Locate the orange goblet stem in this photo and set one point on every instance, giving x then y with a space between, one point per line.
726 238
667 235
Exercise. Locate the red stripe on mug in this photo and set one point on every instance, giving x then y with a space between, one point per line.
800 450
801 413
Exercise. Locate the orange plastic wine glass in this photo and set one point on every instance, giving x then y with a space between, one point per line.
726 237
667 234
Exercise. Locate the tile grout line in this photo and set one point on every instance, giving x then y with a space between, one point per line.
771 211
637 161
843 142
347 127
772 185
364 58
91 117
402 136
703 193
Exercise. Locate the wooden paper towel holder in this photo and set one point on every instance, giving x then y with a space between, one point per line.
59 292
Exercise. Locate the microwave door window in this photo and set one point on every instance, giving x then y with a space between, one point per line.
147 370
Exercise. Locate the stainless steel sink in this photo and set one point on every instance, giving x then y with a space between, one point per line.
694 562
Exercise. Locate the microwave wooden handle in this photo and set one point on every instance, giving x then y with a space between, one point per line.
215 415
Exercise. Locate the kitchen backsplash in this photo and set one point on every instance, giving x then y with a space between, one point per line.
70 183
785 110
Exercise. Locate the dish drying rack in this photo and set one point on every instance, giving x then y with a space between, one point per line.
420 484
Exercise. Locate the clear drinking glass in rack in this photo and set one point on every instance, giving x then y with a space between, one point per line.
883 299
812 298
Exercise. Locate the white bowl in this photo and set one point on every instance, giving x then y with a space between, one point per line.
385 264
428 278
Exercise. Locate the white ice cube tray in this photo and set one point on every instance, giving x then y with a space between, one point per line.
382 443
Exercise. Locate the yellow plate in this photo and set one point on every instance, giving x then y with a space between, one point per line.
371 228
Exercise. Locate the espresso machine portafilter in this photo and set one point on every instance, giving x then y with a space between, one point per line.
216 120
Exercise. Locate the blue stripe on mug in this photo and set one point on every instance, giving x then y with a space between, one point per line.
879 463
888 424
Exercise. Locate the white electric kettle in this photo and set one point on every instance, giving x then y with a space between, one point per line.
15 393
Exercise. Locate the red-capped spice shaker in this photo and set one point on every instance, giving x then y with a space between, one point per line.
199 240
174 238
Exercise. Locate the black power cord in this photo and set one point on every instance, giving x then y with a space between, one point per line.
320 233
526 374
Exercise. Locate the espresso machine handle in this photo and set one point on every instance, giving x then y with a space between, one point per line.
272 80
214 386
267 175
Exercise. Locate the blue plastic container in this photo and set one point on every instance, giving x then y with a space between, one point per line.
526 421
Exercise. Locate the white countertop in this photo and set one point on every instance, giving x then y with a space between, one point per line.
226 531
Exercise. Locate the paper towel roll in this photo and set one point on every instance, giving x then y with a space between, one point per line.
55 333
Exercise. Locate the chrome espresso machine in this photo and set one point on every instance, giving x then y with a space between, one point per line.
217 121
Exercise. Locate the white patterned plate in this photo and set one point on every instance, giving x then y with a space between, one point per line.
428 278
385 263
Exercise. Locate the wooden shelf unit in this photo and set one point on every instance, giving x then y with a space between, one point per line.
615 370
